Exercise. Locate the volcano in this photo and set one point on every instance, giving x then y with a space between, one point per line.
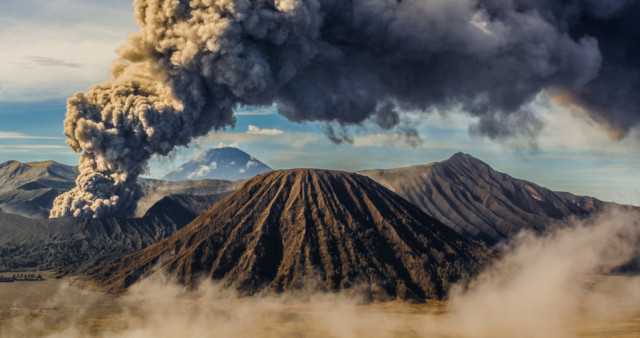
285 229
226 163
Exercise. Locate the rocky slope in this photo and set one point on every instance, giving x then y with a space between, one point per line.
287 229
479 202
226 163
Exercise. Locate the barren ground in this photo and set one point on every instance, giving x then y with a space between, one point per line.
53 307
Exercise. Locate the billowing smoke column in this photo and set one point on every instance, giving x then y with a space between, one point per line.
342 62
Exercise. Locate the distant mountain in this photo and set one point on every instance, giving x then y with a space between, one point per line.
14 174
198 187
29 188
479 202
155 190
55 243
285 229
221 163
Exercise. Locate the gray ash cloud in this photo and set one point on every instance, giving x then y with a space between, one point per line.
342 63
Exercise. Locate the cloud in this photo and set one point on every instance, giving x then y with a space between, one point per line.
231 139
256 130
296 140
255 112
387 140
36 148
545 286
224 145
569 130
608 169
65 45
203 170
39 146
14 135
44 61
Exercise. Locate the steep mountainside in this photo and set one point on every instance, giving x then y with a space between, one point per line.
53 243
479 202
285 229
221 163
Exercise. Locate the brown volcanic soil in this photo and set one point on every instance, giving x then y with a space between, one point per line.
286 228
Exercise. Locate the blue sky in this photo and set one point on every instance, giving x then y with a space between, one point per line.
51 49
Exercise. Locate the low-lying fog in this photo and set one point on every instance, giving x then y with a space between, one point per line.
548 286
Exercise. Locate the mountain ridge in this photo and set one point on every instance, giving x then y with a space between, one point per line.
14 174
480 202
29 188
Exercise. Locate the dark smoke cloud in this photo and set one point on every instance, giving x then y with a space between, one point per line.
613 97
341 62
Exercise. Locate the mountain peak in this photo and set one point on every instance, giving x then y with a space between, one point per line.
480 202
463 160
221 150
10 166
459 156
463 157
227 163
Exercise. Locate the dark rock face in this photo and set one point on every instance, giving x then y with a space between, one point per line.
221 163
286 228
479 202
182 209
60 242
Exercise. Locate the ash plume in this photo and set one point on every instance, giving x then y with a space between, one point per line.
341 62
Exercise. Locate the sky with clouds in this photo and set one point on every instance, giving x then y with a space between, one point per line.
54 48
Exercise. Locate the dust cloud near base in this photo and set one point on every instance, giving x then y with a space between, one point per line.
551 286
165 310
